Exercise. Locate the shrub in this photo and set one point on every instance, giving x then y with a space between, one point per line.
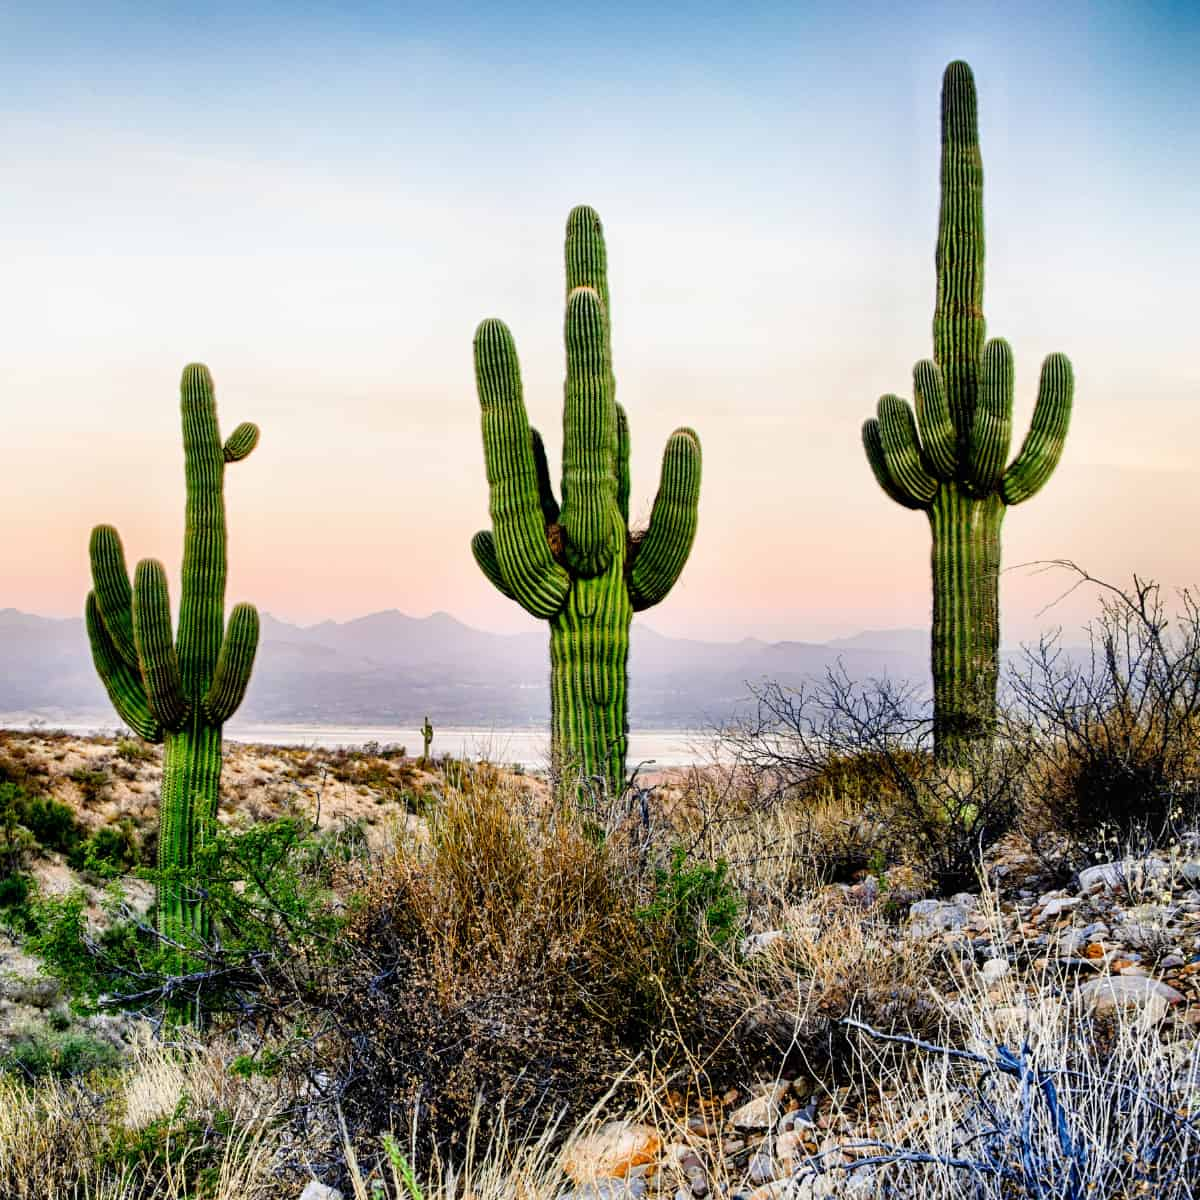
29 821
133 752
112 850
1116 730
59 1054
868 746
93 783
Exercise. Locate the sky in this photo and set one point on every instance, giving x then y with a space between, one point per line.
321 201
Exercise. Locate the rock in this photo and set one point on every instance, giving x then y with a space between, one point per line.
936 916
760 1113
761 1168
612 1152
1056 907
1115 875
608 1189
318 1191
994 970
756 943
1150 996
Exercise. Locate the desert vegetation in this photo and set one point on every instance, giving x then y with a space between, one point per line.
874 948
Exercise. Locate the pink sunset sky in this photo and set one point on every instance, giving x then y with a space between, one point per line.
770 236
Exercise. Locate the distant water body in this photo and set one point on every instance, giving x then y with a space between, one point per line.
529 747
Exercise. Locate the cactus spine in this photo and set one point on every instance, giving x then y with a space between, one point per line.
426 740
950 458
577 566
179 691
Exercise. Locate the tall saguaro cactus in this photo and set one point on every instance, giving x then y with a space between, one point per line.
951 458
179 691
578 566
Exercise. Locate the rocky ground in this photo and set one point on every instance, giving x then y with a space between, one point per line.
1122 942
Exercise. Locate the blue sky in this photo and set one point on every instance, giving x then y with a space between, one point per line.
322 200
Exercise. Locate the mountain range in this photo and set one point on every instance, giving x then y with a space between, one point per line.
392 669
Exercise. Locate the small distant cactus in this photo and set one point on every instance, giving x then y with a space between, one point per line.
179 691
578 566
950 458
426 739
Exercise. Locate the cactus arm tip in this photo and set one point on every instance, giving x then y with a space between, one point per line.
121 681
538 583
240 442
483 547
991 426
873 445
113 593
586 254
902 451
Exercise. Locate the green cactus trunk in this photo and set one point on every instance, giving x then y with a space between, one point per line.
190 791
949 457
179 690
589 655
577 566
966 616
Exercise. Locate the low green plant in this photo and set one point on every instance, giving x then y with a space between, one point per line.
93 783
133 752
698 903
59 1054
111 851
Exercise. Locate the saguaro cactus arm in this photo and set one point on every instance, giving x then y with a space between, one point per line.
527 567
122 682
231 676
902 450
1043 445
483 547
156 646
933 419
240 442
991 431
660 556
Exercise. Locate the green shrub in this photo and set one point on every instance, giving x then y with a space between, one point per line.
134 752
697 904
46 822
112 850
92 783
58 1054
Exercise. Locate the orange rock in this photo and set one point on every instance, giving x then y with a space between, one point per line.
612 1151
1094 950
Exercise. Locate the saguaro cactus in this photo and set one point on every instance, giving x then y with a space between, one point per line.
426 740
950 459
578 566
179 691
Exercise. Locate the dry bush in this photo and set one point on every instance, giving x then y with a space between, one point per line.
1115 730
860 753
510 956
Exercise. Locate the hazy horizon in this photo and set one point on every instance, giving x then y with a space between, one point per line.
322 205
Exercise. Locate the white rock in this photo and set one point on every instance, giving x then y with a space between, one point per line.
1150 996
1053 908
318 1191
756 943
761 1112
1118 874
994 970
